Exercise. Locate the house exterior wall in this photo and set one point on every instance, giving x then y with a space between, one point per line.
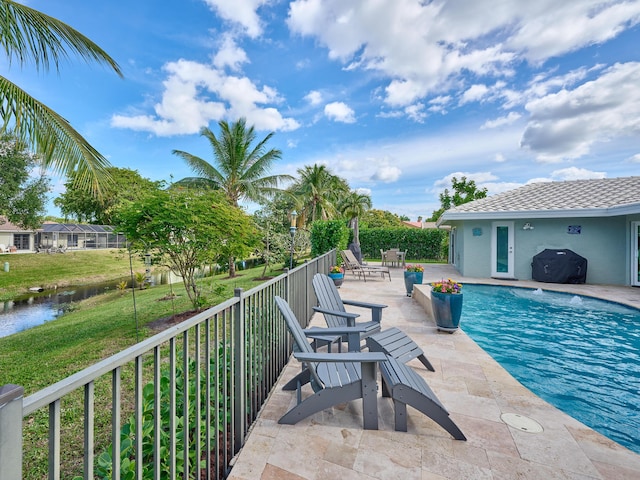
604 242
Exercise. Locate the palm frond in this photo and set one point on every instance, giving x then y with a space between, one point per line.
59 145
32 36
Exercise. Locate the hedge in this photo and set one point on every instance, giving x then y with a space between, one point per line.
428 244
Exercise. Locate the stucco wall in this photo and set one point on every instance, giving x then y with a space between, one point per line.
604 242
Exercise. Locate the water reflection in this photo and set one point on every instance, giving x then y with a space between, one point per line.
36 308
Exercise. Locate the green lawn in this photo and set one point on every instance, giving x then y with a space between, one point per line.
98 327
28 270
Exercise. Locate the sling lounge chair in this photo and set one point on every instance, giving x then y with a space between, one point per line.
351 264
392 341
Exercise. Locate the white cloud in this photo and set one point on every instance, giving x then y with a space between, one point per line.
498 122
313 97
635 158
427 48
185 106
575 173
474 93
230 55
566 124
416 112
339 112
387 174
241 12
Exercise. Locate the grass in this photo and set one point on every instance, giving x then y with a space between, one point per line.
99 327
94 329
56 270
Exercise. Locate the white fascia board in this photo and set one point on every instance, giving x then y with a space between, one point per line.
518 214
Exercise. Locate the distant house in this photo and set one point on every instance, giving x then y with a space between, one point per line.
14 238
78 236
420 224
599 219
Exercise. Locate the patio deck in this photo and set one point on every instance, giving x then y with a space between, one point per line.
473 387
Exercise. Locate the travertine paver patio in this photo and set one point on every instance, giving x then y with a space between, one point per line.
472 386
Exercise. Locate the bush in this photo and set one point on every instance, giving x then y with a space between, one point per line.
327 235
429 243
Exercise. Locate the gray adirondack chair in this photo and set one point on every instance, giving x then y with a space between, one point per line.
341 377
391 341
335 377
331 305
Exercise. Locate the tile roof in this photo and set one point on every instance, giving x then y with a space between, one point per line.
599 197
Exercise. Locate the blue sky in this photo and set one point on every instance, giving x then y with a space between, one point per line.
395 96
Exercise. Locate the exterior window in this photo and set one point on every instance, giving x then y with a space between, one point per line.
21 241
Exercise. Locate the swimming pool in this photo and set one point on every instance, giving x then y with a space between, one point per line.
577 353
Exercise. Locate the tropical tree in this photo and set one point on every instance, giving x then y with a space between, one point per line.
22 194
380 219
354 206
29 36
317 192
241 168
185 230
126 184
463 191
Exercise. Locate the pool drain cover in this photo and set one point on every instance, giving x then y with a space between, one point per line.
525 424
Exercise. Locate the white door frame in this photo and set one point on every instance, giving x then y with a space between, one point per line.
510 250
635 252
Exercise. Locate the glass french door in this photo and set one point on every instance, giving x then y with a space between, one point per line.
635 253
502 250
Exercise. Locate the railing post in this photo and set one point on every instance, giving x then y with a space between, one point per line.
11 397
240 379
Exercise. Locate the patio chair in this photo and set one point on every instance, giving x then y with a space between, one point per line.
351 264
341 377
391 341
334 377
331 305
392 258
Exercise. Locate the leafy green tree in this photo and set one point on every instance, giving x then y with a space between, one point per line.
464 191
375 218
186 230
22 196
354 206
241 168
29 36
126 184
317 192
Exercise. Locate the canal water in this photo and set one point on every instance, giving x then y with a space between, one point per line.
37 308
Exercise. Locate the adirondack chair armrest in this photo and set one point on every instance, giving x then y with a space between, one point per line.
351 317
352 333
366 357
376 308
335 330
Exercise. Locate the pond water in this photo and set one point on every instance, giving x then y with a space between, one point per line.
577 353
36 308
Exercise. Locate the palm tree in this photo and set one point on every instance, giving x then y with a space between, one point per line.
353 206
241 168
29 36
318 192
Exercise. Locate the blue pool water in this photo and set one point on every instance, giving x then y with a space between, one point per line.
577 353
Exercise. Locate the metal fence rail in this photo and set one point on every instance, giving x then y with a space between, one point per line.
177 405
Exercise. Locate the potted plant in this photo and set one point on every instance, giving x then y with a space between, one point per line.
446 304
336 273
412 275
